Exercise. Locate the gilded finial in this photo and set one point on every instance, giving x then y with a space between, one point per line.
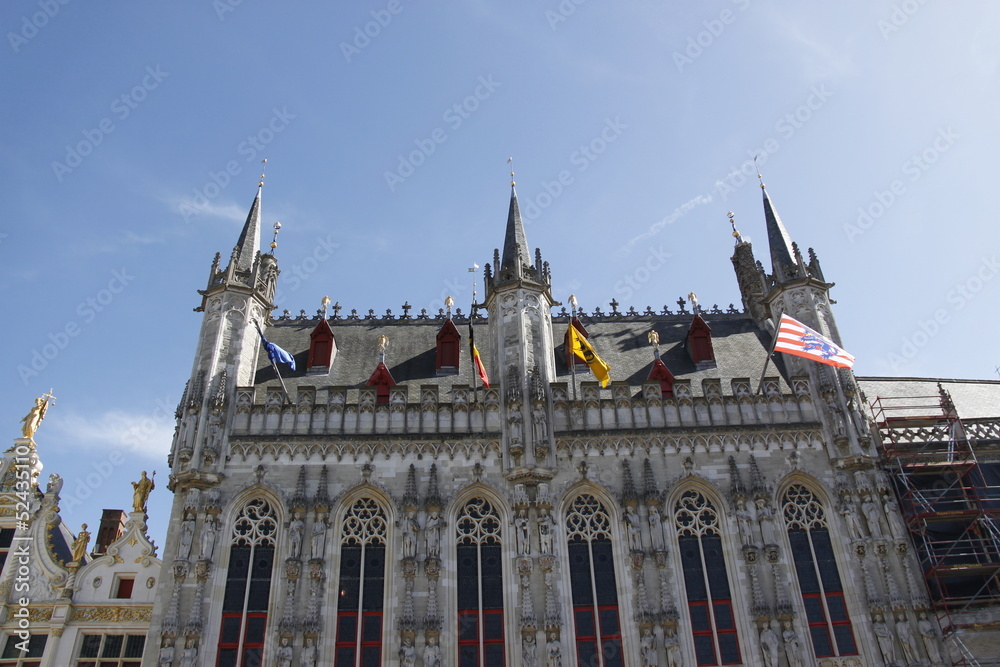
732 222
654 338
274 240
693 298
510 161
448 303
759 177
573 303
262 168
325 303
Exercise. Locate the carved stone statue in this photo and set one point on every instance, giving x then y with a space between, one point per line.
79 546
850 514
655 528
929 635
410 528
553 650
284 654
745 522
407 654
35 416
769 644
208 534
673 648
295 528
186 537
54 486
522 533
515 428
432 652
318 541
792 649
529 650
884 637
189 657
310 654
633 530
647 649
539 423
141 490
166 657
432 535
766 517
544 531
907 640
897 527
871 514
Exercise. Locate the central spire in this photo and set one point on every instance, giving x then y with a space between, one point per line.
778 240
249 243
515 244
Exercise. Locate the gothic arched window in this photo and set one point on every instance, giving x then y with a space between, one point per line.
248 585
593 583
706 582
816 568
480 585
360 591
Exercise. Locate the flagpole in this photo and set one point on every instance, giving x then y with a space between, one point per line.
274 365
572 353
472 340
770 352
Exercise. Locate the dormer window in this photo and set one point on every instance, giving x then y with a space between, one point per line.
322 349
449 344
382 380
660 372
699 344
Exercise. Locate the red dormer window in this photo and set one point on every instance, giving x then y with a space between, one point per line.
699 344
660 372
322 349
382 380
449 344
570 357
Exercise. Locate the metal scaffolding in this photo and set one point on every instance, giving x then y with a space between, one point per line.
950 500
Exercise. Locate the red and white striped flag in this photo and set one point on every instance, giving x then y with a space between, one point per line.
793 337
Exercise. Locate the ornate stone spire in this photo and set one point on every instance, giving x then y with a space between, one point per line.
321 501
299 500
249 241
629 494
736 488
410 498
433 501
650 492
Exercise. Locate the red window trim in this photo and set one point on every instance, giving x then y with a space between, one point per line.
475 641
244 618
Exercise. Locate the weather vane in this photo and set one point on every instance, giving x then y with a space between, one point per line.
262 168
274 241
732 222
510 161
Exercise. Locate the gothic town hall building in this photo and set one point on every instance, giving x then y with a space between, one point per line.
379 506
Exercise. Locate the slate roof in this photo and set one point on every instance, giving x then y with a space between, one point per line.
740 349
973 398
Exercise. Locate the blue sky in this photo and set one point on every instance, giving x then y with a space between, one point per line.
133 136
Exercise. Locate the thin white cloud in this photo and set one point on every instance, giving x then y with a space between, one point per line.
146 434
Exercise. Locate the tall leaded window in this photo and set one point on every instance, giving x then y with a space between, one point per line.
110 650
593 584
480 586
816 568
361 587
706 582
248 586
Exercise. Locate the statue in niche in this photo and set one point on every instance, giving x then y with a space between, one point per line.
189 656
318 541
897 527
284 654
673 646
647 649
907 640
766 517
410 528
544 531
166 657
187 537
432 652
553 651
769 644
930 638
407 653
432 535
529 650
208 533
850 514
655 528
515 428
633 529
884 638
792 649
295 528
522 533
745 522
539 422
871 514
310 654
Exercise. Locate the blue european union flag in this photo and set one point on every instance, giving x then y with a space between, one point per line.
276 354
